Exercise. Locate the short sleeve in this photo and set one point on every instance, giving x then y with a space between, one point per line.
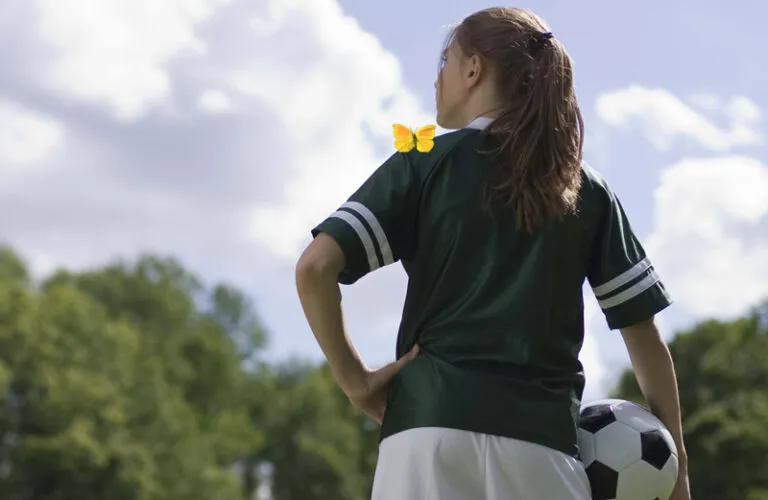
375 226
622 276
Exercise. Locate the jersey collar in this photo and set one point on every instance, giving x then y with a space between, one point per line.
479 123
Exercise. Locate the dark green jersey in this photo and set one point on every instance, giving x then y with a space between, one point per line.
498 313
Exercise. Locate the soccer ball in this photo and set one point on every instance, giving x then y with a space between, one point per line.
628 453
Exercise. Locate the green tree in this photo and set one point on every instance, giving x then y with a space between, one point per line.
201 335
11 266
235 313
723 377
318 445
136 382
120 383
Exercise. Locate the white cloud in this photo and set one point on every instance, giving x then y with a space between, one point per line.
214 101
664 118
315 97
742 110
338 106
710 238
26 136
331 86
113 52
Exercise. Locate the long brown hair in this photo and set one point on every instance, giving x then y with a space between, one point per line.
539 133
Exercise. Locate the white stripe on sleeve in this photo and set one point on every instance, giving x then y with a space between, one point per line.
362 233
631 292
378 231
625 277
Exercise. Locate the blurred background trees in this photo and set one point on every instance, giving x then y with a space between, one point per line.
137 382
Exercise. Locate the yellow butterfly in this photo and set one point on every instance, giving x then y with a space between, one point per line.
406 139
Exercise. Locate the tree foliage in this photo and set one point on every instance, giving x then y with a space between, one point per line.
319 445
117 385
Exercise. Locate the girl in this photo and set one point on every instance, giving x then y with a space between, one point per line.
497 228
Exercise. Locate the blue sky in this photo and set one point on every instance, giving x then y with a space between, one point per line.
683 46
221 131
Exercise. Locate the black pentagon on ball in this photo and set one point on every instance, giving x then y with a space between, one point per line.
654 448
603 480
596 417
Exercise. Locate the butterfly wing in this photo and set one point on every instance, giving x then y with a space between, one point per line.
404 140
426 132
425 138
425 145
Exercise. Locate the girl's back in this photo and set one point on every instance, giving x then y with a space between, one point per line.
498 226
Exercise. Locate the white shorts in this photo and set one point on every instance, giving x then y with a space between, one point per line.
447 464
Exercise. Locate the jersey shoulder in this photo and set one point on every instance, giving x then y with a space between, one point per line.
592 177
450 139
594 186
424 163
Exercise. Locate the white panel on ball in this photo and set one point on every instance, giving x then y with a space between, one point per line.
636 417
617 445
586 447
